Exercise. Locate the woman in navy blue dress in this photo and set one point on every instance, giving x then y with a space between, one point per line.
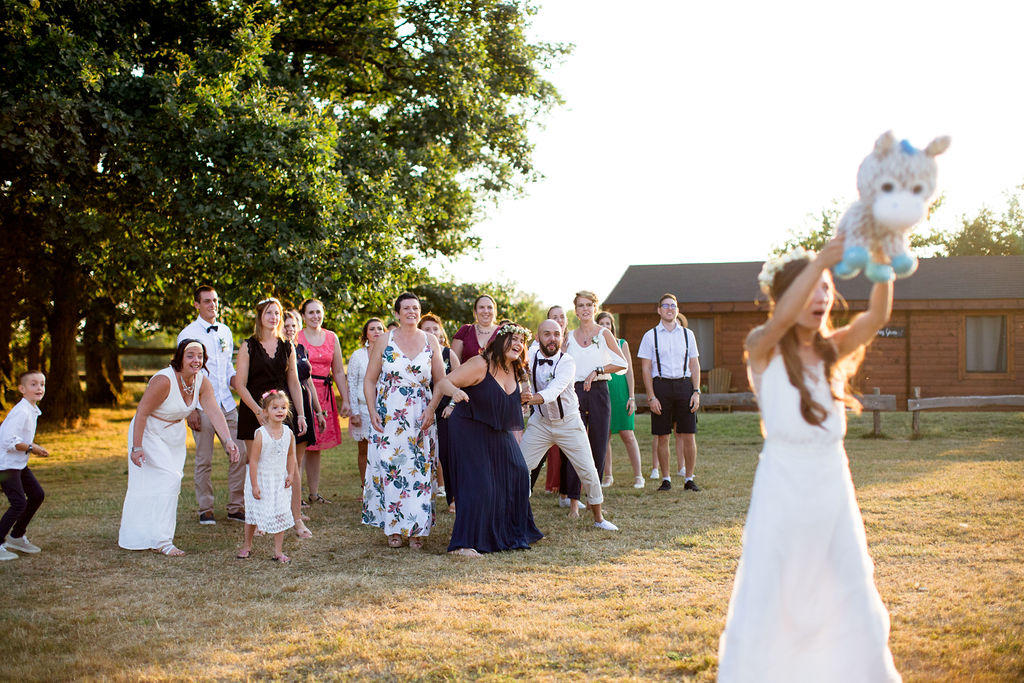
494 482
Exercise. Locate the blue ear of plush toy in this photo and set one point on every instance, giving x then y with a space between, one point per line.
879 272
854 260
904 264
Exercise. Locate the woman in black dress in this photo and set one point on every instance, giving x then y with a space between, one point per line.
431 324
485 459
266 361
311 406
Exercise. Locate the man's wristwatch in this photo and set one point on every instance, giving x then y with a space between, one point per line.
696 391
29 449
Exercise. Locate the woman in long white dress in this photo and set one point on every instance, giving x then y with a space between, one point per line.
804 605
157 450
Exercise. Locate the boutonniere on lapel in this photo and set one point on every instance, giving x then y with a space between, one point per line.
223 344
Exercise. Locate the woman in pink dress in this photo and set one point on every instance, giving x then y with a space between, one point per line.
474 337
324 352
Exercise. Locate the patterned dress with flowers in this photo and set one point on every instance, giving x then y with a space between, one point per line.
398 494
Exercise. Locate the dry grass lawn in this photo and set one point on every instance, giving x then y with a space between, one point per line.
943 516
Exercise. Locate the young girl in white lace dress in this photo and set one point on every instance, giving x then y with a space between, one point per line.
270 473
804 605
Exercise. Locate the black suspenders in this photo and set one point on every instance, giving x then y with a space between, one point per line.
657 353
561 413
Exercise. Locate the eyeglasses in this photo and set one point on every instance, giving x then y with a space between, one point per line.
669 306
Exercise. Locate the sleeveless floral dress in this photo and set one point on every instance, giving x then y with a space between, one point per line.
398 494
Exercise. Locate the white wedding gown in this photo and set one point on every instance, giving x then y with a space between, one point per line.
150 511
804 605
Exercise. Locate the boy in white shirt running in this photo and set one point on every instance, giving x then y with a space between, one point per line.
17 481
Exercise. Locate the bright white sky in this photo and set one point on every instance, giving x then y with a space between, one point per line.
696 132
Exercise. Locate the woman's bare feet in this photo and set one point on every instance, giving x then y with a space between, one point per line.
465 552
416 542
395 541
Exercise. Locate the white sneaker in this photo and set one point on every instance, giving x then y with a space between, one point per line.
6 554
655 474
441 492
608 482
21 544
681 473
606 525
563 502
638 483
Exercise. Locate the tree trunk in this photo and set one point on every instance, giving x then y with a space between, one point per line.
98 388
6 362
111 357
64 402
36 329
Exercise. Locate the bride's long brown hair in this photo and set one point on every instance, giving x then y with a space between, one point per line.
812 411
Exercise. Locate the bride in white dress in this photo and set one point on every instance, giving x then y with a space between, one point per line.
157 451
804 605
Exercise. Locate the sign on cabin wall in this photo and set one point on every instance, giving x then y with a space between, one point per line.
894 332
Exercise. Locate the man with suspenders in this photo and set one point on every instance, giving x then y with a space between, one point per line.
669 362
555 416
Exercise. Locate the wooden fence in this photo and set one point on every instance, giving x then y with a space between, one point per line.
917 404
875 402
141 377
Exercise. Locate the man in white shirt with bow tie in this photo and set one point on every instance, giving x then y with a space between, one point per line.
555 416
219 343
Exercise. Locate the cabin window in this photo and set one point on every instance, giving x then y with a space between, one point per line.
985 343
704 330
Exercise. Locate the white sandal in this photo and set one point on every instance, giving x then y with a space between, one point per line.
170 550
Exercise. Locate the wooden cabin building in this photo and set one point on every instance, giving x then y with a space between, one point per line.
957 326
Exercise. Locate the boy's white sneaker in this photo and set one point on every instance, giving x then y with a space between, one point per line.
6 554
21 544
606 525
655 474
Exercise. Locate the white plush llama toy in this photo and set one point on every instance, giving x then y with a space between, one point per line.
896 183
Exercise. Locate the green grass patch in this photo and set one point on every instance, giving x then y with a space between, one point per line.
943 516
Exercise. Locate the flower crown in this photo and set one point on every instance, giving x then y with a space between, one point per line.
511 328
773 265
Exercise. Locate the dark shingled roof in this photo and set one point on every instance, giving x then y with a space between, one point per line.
955 277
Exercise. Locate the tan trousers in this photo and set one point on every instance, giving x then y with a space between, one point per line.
570 436
204 466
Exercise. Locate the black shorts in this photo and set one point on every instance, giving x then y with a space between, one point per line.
674 395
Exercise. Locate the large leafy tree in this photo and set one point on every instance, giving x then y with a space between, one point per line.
287 148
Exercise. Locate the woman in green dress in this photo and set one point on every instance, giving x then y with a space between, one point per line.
621 393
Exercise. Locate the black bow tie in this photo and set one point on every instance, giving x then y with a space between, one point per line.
211 328
545 361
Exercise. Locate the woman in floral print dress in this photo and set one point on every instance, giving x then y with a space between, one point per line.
398 493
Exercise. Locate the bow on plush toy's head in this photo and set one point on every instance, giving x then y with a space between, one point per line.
896 184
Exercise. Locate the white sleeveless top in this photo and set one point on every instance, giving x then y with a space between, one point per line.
590 357
174 407
779 403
